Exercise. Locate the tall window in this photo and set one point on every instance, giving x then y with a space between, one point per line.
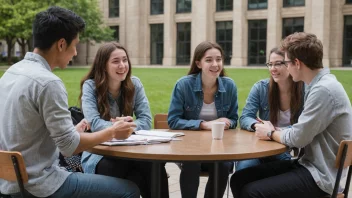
347 41
156 7
156 43
291 3
257 4
183 6
348 1
224 39
292 25
116 34
114 8
256 42
183 47
224 5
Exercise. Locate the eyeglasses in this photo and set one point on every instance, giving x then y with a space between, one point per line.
277 64
289 61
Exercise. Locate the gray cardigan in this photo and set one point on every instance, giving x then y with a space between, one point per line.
325 121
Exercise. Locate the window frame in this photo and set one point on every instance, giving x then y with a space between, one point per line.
218 6
258 41
292 26
257 3
178 9
160 7
116 8
286 5
224 43
182 58
159 57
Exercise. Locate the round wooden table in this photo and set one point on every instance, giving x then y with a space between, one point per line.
197 146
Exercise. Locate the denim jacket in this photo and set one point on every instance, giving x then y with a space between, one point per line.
257 101
90 110
187 101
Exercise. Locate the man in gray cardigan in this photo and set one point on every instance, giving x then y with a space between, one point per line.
325 121
34 117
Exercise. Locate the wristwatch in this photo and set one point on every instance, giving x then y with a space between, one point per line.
270 134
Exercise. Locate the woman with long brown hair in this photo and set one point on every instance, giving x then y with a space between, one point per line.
199 99
108 94
278 99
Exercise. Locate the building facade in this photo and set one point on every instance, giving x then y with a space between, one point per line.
166 32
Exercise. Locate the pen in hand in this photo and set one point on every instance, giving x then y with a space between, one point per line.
260 120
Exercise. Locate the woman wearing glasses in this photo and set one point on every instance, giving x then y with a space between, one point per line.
278 99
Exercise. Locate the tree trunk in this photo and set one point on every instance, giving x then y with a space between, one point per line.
30 44
22 42
10 44
87 51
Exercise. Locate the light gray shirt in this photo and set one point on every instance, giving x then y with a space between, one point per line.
325 121
34 120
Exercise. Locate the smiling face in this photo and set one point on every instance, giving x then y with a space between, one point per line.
117 66
278 70
211 64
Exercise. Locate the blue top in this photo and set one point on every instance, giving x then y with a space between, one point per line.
325 121
140 107
258 100
35 121
187 101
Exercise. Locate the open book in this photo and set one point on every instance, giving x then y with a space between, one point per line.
156 133
137 140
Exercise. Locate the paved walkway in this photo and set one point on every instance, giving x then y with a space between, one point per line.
174 186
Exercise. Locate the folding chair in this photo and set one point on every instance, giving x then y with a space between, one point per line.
12 168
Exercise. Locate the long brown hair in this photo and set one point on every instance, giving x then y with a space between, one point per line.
199 53
296 100
99 74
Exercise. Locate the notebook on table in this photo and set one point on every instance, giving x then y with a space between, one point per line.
156 133
137 140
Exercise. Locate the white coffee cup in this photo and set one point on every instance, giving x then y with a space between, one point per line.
217 130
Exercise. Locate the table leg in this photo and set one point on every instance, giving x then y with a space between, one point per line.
156 179
216 176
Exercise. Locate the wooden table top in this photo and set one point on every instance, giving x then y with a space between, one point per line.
236 144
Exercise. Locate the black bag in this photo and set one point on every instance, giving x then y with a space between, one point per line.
76 114
73 163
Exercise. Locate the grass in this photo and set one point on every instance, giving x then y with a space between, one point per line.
159 82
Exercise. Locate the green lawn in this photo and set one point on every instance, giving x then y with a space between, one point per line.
159 82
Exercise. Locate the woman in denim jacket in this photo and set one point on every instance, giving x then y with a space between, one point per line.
108 94
278 99
202 97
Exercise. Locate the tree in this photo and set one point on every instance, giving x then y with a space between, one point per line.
90 12
16 19
7 30
16 24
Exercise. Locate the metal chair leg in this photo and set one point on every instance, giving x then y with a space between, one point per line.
18 175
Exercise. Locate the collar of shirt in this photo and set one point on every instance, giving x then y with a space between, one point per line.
37 58
198 84
316 79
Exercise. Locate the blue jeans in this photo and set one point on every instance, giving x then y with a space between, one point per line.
92 186
254 162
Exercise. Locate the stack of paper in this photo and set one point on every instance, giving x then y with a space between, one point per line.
137 140
155 133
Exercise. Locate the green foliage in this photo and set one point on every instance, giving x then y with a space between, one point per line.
90 12
17 16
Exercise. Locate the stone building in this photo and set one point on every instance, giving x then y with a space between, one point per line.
166 32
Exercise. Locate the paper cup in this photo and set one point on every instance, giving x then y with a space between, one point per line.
217 130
